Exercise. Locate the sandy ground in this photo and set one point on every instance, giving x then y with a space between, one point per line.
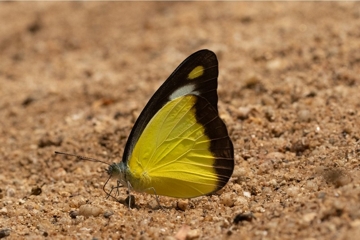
75 76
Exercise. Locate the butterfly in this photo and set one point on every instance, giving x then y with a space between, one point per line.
179 146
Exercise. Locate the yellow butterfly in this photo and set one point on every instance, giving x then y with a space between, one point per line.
179 146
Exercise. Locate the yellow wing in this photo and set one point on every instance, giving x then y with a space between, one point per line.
183 152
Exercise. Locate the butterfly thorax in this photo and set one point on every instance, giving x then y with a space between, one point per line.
120 171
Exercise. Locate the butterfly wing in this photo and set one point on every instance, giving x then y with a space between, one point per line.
179 146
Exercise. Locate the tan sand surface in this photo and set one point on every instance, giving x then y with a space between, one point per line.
74 76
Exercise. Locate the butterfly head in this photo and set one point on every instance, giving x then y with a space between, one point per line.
118 171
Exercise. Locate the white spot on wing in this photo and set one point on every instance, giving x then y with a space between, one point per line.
184 90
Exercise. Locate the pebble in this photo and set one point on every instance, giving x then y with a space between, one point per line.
228 199
36 191
239 172
243 112
3 211
108 214
275 156
182 233
170 238
355 224
4 232
243 217
192 234
266 191
10 192
308 217
88 210
247 194
311 185
183 204
293 191
73 214
275 64
273 182
304 115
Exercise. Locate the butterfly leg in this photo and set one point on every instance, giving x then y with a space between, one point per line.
130 199
156 197
118 185
108 194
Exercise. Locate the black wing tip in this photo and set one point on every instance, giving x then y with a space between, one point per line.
204 52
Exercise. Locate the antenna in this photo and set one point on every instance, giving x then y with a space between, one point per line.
81 157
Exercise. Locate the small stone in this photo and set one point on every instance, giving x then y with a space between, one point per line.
73 214
259 209
241 201
10 192
321 195
275 64
3 211
88 210
192 234
144 222
170 238
153 204
355 224
293 191
299 146
76 202
311 185
36 191
239 172
182 233
108 214
309 217
247 194
266 191
251 80
183 204
227 199
59 173
4 232
275 156
243 112
273 182
304 115
243 217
